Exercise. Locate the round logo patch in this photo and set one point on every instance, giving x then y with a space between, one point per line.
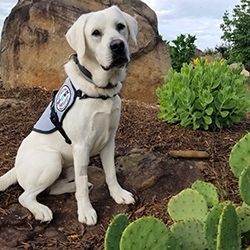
63 98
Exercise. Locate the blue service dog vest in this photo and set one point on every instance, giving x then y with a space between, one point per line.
53 116
63 99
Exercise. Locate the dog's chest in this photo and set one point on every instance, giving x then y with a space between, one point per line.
95 121
104 127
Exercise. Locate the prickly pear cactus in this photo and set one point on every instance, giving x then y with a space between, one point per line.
229 236
208 190
147 233
211 226
114 232
222 229
189 234
244 218
240 155
244 185
187 204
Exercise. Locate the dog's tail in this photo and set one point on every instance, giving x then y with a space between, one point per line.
8 179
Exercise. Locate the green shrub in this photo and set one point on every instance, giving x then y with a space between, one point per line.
207 96
182 50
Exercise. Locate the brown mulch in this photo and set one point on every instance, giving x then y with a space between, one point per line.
139 127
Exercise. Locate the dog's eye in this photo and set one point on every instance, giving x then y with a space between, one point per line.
96 33
120 26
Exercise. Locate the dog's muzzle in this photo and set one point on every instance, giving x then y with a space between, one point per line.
119 55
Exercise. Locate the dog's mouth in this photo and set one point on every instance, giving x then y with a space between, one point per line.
119 62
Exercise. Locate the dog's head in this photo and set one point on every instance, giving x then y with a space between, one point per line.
102 37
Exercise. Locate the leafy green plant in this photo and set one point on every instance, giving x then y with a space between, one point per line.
182 50
235 29
207 96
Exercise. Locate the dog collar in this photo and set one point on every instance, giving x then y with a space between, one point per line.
87 74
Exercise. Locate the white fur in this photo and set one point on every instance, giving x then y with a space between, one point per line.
91 124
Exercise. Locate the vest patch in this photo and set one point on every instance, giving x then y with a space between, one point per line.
63 100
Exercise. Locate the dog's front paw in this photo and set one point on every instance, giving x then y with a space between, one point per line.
122 196
42 213
87 216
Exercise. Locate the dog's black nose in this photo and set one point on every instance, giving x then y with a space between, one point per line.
117 46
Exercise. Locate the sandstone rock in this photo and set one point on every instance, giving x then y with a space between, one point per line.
243 72
34 49
199 53
151 174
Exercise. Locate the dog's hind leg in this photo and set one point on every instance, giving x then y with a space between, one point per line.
40 211
44 167
66 185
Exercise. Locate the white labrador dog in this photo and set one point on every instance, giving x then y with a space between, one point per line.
89 124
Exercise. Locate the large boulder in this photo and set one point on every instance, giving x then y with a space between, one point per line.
34 49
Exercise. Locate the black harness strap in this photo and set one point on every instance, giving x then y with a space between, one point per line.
55 120
54 117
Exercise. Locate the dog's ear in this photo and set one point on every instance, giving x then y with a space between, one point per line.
75 35
132 26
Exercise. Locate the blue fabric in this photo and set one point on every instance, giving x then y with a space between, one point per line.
62 101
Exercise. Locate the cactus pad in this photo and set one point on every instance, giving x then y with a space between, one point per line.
244 185
240 155
228 229
211 225
244 218
187 204
189 234
208 190
114 232
147 233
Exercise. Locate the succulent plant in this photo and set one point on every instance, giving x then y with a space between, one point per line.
222 229
240 155
189 234
208 190
147 233
207 96
187 204
244 185
194 226
211 226
229 236
243 213
114 232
